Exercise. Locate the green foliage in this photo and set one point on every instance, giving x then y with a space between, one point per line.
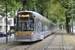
11 6
52 9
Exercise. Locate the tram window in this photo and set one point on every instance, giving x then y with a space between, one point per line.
41 25
35 24
52 26
25 21
32 26
46 25
49 26
24 26
38 26
27 25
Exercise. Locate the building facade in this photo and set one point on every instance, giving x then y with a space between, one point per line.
10 24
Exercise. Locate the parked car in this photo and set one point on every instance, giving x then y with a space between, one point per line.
1 34
4 33
8 33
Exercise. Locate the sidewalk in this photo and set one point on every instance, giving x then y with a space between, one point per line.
69 40
3 39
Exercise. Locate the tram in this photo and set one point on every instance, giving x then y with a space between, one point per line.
31 26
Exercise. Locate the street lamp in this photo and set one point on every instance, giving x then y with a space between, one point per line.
72 16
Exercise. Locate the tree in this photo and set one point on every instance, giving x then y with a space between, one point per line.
11 6
52 9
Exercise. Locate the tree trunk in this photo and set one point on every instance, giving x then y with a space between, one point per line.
47 15
25 5
68 24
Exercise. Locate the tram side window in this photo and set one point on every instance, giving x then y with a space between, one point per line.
49 26
46 26
36 22
52 27
42 25
38 25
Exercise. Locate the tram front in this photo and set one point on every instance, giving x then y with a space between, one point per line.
24 26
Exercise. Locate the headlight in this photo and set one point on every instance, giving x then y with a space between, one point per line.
16 34
32 33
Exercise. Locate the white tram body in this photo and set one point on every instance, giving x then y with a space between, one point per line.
31 26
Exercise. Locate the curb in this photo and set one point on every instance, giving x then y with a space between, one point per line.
8 42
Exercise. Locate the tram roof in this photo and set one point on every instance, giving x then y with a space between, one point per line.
37 14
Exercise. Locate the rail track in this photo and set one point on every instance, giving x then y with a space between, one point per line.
21 46
12 46
56 42
64 48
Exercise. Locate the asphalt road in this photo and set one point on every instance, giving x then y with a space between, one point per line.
3 39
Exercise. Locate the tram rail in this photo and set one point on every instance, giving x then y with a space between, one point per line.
20 46
59 46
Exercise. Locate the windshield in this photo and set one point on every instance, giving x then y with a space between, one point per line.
25 23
